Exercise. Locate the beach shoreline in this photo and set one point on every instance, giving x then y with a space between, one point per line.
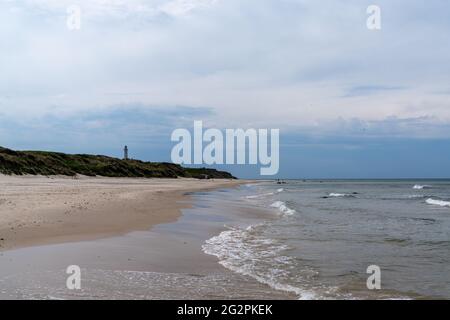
165 261
37 210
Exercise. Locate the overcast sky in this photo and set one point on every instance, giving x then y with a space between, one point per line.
350 102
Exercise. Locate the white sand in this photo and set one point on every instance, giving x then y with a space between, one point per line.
38 210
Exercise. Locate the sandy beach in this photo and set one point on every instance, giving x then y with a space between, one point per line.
132 238
38 210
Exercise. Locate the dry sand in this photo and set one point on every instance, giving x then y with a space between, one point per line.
40 210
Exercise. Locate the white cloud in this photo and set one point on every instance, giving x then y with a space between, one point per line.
281 63
182 7
118 8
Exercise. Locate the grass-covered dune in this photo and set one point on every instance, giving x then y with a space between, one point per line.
55 163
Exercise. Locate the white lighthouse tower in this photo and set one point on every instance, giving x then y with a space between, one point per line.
125 153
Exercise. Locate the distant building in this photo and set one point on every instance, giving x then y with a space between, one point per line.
125 153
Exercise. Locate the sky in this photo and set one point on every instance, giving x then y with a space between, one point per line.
349 102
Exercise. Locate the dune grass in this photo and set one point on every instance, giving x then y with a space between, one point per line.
55 163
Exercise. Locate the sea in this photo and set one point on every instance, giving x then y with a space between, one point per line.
325 235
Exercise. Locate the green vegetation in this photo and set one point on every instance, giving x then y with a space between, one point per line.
54 163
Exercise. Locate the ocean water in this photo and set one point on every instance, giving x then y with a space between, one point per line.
323 235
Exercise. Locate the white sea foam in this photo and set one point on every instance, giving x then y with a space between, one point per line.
257 196
243 252
283 208
420 187
340 195
249 185
263 195
438 202
414 196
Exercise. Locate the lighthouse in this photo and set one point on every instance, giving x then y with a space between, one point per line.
125 153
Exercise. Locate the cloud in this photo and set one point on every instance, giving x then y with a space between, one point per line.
100 131
113 9
286 64
370 89
183 7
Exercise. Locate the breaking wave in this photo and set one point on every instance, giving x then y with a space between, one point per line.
260 195
341 195
283 208
257 196
420 187
245 252
441 203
